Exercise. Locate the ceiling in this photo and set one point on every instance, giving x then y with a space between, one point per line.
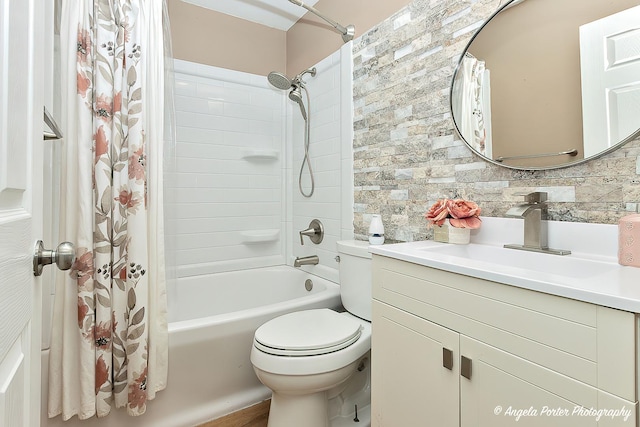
278 14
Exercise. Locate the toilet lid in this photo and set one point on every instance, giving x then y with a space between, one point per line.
307 333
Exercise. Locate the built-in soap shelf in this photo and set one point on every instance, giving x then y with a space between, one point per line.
256 154
250 237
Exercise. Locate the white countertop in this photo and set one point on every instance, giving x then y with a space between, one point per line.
586 275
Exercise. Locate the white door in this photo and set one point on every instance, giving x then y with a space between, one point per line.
610 66
21 130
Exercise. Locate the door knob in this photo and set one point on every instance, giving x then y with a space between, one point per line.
63 256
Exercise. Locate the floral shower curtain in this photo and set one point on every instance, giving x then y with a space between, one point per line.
109 334
472 111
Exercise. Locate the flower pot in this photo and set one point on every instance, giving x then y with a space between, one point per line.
449 234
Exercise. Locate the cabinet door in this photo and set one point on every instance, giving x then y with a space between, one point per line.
506 390
410 386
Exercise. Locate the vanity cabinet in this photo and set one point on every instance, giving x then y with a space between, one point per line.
409 380
452 350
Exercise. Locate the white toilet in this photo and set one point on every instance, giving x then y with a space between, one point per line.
316 362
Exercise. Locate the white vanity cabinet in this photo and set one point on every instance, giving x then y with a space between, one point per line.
410 385
453 350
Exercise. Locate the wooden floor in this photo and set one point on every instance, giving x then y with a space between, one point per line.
254 416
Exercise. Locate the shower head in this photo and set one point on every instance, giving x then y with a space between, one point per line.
296 95
279 80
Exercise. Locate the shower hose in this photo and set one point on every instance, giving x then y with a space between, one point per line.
306 160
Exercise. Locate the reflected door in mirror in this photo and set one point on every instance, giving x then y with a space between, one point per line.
610 66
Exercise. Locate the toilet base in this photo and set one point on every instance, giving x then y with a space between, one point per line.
321 406
302 400
308 410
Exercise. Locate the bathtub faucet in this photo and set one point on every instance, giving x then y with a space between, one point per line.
306 260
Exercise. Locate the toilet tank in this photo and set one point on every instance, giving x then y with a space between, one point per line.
355 277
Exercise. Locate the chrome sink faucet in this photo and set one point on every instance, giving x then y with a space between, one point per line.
534 213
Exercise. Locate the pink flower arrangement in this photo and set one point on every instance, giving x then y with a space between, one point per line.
461 213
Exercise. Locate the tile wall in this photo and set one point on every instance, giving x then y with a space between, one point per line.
239 146
229 171
331 156
407 154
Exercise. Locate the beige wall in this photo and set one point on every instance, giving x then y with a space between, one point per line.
212 38
312 39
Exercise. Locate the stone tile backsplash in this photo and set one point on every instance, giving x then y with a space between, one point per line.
407 153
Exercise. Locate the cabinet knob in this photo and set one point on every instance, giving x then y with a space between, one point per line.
465 367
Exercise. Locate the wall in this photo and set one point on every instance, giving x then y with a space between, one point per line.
312 39
239 146
208 37
229 171
407 155
331 156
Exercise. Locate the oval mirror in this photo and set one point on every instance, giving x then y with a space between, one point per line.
549 83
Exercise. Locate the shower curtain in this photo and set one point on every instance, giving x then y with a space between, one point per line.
109 332
473 110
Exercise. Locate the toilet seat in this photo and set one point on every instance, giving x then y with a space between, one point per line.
307 333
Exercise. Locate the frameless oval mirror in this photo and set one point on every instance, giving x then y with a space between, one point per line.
549 83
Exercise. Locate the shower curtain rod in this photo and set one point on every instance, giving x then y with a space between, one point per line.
347 32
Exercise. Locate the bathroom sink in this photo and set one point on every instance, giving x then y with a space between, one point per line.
591 272
572 266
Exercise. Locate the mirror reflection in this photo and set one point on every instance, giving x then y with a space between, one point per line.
548 83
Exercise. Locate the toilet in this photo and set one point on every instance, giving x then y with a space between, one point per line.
316 362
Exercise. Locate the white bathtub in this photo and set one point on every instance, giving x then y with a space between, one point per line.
211 325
